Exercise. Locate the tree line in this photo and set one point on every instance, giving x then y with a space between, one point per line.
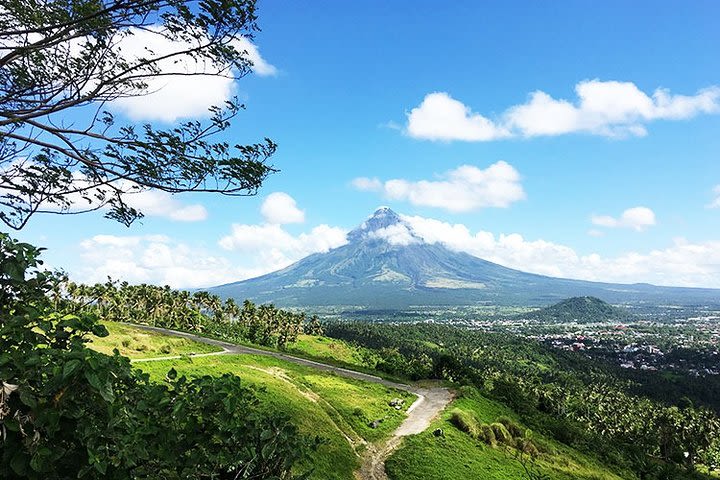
199 312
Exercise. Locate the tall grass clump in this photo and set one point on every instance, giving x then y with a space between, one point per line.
466 422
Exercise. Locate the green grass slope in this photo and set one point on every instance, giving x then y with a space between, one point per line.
135 343
335 408
458 456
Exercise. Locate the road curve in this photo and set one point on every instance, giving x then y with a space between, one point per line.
430 402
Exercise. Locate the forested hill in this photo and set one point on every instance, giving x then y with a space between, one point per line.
581 310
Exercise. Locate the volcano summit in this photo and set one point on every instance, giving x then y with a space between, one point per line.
386 265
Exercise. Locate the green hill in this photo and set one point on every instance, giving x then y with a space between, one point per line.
337 409
340 409
581 310
459 455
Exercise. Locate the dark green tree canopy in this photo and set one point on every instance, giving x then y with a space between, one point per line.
62 62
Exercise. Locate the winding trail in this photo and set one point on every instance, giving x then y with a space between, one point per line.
430 402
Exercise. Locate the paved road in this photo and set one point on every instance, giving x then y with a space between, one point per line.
430 402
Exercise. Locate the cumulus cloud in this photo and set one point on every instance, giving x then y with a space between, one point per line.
252 250
463 189
178 96
681 264
249 251
272 246
606 108
636 218
155 203
366 184
259 65
151 202
153 259
716 201
280 208
441 117
397 234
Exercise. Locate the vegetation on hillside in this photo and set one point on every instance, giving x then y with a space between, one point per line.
484 439
580 310
199 312
133 342
570 398
67 411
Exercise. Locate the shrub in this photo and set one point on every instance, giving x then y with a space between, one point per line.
465 421
527 446
501 433
487 434
466 391
71 412
516 431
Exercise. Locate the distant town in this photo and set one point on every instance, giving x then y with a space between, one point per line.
667 338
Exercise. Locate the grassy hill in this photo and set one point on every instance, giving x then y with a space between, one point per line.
339 410
456 455
581 310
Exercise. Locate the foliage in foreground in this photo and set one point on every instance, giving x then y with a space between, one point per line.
68 412
63 62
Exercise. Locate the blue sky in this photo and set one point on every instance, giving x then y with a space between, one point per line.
565 114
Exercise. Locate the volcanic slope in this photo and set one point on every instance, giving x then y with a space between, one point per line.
385 264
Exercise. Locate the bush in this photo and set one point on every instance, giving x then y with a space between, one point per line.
516 431
487 434
501 433
466 391
527 446
466 422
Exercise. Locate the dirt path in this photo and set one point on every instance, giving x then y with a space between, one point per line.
430 402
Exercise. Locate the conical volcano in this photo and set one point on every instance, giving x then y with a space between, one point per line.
386 265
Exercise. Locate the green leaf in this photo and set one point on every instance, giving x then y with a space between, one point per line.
19 463
93 380
27 398
107 392
40 461
70 367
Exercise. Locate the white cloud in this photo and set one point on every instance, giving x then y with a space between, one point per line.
682 263
153 259
441 117
250 251
606 108
637 218
260 66
366 184
463 189
181 96
280 208
397 234
716 201
151 202
155 203
273 248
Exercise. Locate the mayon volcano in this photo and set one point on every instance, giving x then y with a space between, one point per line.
386 265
